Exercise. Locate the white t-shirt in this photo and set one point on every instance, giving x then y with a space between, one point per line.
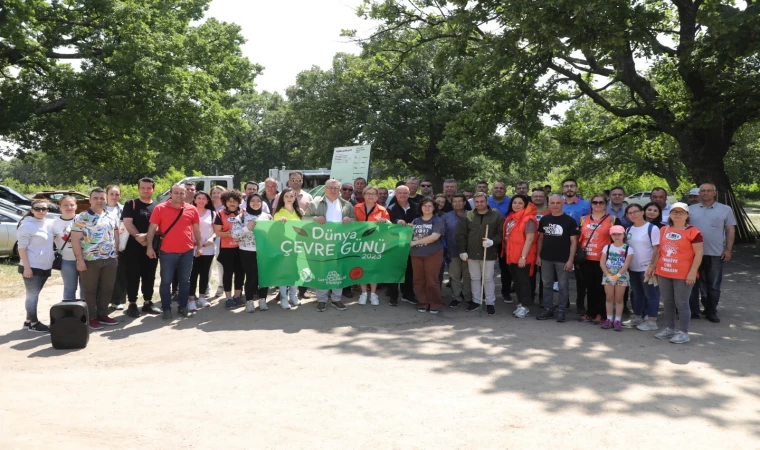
61 230
639 241
207 229
616 255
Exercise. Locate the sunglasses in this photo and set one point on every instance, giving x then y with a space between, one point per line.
426 185
347 189
39 209
597 202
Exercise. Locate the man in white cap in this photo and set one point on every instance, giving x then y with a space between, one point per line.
694 196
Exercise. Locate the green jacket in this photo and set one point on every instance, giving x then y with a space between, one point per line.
318 208
472 229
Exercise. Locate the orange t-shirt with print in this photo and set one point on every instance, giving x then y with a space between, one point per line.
598 239
676 252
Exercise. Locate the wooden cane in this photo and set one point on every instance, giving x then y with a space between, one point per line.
483 276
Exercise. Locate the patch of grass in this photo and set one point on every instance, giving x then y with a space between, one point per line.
12 283
752 204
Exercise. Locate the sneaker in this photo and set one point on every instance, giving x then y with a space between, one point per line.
339 305
294 300
422 310
607 324
219 291
374 300
132 310
454 303
393 302
713 317
192 306
561 316
472 306
150 308
321 306
119 307
434 311
667 333
250 306
284 303
555 287
263 304
38 327
647 325
229 303
517 310
95 324
167 315
617 326
238 301
508 299
203 303
413 301
108 321
522 313
598 319
184 312
491 310
680 338
363 299
634 321
546 315
26 324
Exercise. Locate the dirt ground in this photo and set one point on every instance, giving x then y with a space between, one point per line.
382 377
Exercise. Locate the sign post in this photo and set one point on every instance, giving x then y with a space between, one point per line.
350 163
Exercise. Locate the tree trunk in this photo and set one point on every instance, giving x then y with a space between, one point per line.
704 158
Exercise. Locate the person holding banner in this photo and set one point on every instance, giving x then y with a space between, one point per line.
370 211
285 210
427 254
242 230
229 251
478 232
403 212
330 208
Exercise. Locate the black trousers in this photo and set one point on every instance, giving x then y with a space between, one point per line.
141 271
230 259
506 277
521 277
251 268
580 286
536 278
592 275
407 287
201 266
119 294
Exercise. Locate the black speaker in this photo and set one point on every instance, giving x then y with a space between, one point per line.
69 325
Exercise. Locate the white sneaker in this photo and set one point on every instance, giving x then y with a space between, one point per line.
634 321
556 286
374 300
521 312
667 333
250 306
294 300
284 302
191 306
263 304
363 298
648 325
219 291
517 310
203 303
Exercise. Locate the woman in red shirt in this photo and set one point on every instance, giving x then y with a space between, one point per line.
370 211
675 264
594 235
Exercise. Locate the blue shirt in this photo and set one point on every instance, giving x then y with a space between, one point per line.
577 210
452 223
502 206
620 214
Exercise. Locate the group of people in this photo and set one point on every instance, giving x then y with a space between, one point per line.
658 252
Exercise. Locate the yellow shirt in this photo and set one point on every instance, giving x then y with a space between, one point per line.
286 214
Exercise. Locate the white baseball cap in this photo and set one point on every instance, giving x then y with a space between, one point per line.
694 191
680 205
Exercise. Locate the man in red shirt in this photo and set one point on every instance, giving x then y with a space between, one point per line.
178 224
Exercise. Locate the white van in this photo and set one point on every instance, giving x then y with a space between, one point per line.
202 183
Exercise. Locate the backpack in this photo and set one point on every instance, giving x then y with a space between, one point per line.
649 232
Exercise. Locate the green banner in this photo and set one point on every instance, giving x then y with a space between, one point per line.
332 255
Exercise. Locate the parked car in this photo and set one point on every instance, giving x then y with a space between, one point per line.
202 183
18 199
83 201
8 241
9 207
642 198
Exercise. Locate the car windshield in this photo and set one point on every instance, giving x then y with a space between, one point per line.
12 191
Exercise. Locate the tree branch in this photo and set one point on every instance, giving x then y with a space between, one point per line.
55 106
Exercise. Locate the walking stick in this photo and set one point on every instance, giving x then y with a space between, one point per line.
483 276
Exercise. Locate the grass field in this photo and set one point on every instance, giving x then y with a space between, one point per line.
11 282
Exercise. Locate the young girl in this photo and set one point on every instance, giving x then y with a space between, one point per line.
202 264
242 230
615 259
287 209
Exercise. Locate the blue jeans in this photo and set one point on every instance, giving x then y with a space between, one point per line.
182 264
646 297
709 281
33 288
71 280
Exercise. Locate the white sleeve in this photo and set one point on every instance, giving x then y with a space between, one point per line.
604 250
655 236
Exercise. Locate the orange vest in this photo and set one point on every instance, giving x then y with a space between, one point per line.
228 242
512 244
377 213
676 252
600 238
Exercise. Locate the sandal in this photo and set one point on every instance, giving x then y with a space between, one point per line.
586 318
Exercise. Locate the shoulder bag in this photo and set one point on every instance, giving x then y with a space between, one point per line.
156 244
58 258
580 254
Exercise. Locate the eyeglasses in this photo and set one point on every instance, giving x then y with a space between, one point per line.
705 191
426 185
347 189
678 212
292 180
597 202
39 209
635 212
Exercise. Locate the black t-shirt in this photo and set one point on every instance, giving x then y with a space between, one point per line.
140 213
557 231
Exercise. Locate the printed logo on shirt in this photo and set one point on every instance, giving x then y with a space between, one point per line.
592 226
673 236
553 230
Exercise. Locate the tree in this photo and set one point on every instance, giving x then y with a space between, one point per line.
150 81
689 68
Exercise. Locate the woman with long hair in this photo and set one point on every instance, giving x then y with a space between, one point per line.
113 207
594 235
216 202
229 252
202 264
676 264
427 255
61 234
653 214
242 230
287 209
520 248
36 254
370 211
644 239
